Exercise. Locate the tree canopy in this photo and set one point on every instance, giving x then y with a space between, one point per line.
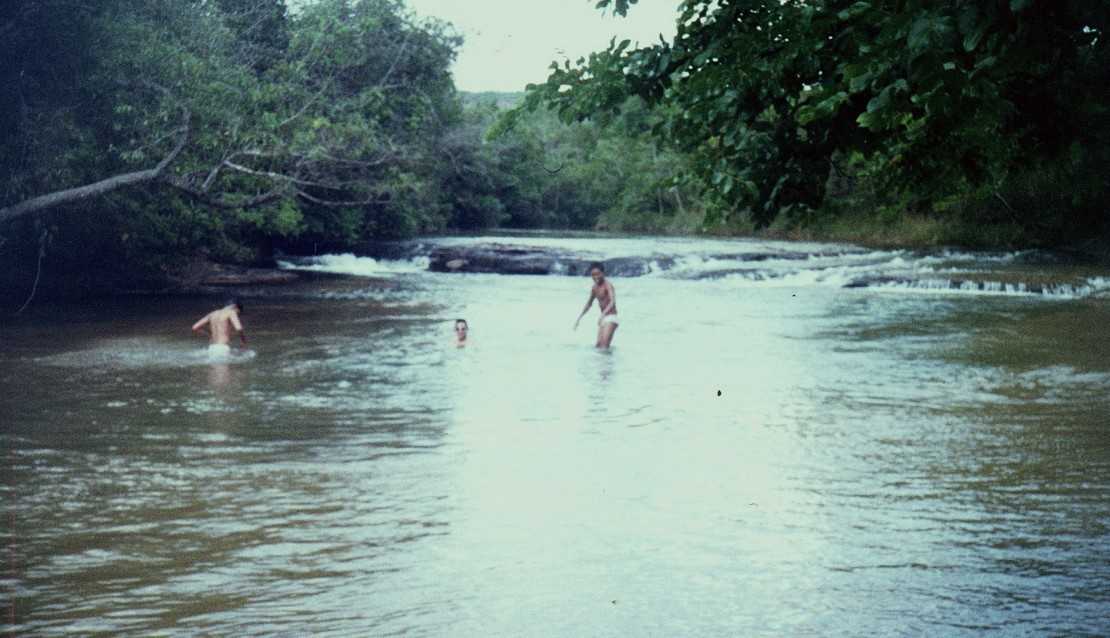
938 96
138 135
230 103
135 131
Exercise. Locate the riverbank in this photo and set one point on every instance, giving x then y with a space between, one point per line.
180 276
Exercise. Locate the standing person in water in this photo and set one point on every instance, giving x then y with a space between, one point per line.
461 330
219 324
602 290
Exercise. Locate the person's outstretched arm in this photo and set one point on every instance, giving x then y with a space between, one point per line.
202 324
238 325
589 302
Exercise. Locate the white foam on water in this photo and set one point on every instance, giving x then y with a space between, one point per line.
1099 285
818 271
785 268
815 278
950 256
141 353
943 286
1063 374
753 264
692 265
306 400
351 264
1045 385
205 406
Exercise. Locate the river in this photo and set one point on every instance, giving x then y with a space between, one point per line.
785 440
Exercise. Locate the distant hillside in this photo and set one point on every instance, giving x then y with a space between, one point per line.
503 100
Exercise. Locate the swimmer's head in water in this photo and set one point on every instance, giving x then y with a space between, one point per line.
234 301
597 271
461 327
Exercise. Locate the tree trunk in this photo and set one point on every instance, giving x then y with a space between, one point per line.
70 195
678 200
80 193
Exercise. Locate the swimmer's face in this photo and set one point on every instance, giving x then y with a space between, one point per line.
597 275
461 329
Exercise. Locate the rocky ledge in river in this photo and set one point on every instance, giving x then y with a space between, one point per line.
531 260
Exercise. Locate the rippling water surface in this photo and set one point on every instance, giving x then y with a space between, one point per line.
785 440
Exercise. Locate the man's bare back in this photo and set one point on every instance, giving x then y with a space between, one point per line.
219 324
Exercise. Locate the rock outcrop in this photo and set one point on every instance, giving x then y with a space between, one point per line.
517 260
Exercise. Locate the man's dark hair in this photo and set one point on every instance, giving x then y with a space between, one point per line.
462 321
597 264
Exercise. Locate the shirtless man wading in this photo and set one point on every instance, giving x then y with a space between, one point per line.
218 324
602 290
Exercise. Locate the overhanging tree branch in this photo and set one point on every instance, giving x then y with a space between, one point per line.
79 193
274 194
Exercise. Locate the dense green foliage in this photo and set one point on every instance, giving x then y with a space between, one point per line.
923 103
320 125
552 174
141 134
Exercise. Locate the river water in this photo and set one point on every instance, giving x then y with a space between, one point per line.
785 440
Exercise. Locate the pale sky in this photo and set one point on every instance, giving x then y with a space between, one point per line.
510 43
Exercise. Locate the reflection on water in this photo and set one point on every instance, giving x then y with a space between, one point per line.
219 375
746 460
